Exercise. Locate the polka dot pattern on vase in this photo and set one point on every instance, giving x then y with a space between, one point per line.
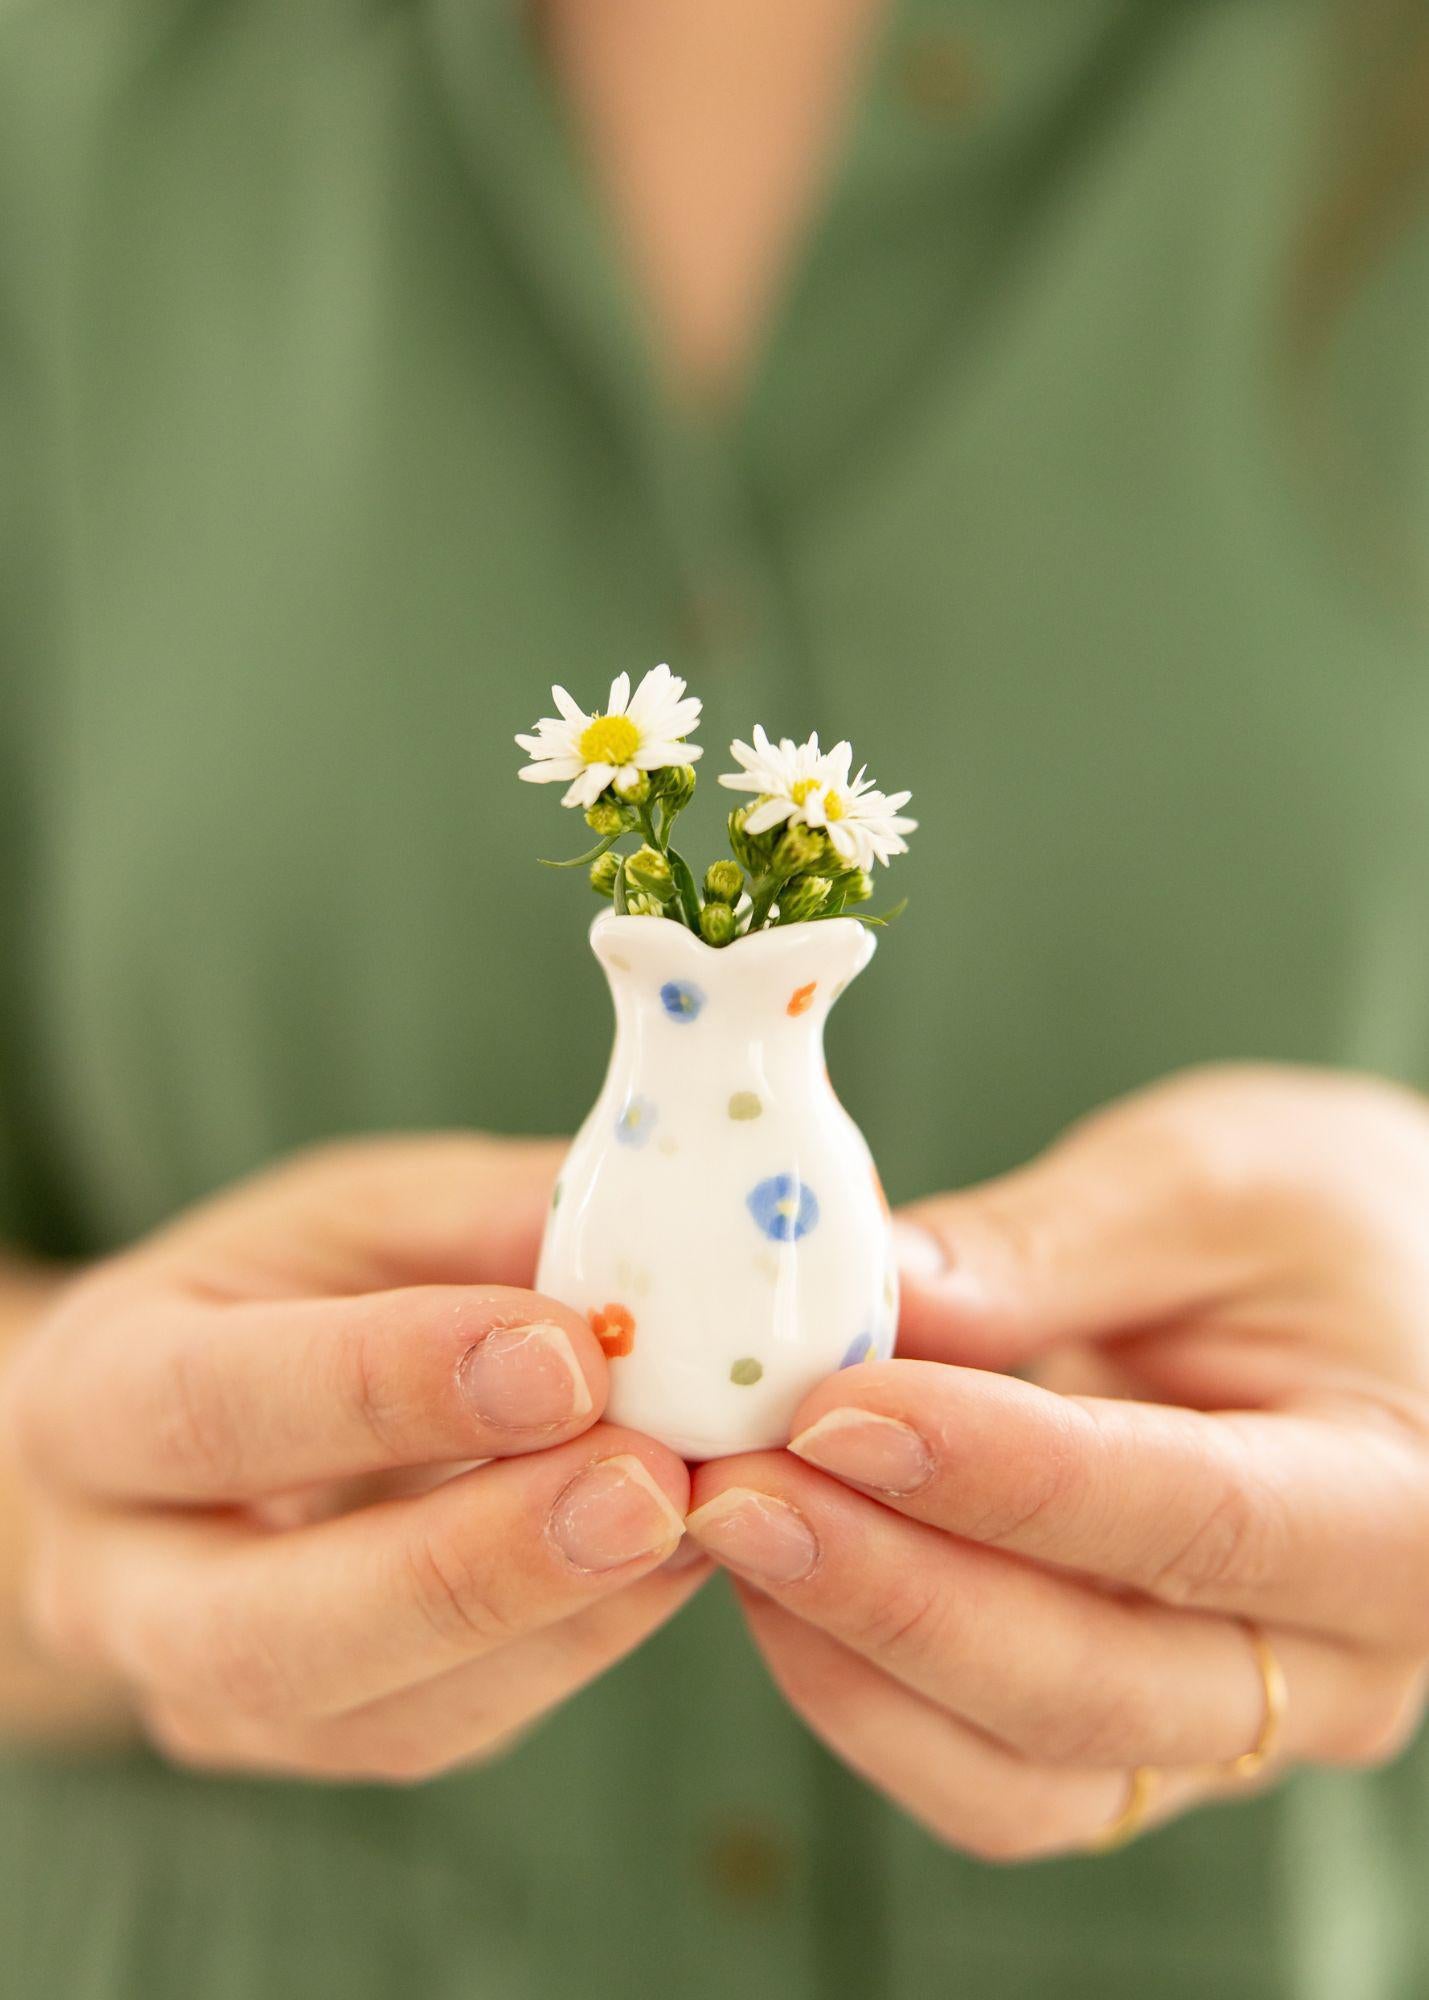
681 1000
746 1372
783 1207
802 998
635 1122
860 1348
614 1327
745 1104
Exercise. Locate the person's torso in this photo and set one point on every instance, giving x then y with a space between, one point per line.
336 449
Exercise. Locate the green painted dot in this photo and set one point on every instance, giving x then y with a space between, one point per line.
747 1371
556 1192
745 1104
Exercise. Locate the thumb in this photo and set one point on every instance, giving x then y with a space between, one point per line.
1116 1229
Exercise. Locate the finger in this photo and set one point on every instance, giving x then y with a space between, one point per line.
1167 1203
373 1214
455 1719
153 1393
325 1618
966 1789
1059 1671
1314 1520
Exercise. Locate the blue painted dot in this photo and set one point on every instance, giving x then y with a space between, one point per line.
783 1207
635 1122
681 1000
860 1348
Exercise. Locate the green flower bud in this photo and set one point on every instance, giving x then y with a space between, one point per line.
751 851
603 871
724 881
803 898
857 886
605 817
718 924
649 874
675 784
634 794
800 850
644 906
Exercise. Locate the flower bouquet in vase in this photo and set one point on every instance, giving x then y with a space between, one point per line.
719 1217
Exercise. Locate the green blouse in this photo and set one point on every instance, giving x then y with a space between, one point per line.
328 438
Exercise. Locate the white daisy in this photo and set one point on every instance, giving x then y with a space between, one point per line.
798 783
637 732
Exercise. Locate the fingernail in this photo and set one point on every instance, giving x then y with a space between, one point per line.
760 1535
525 1378
870 1449
613 1513
918 1251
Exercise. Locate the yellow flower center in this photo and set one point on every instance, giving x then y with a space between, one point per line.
609 739
802 789
833 806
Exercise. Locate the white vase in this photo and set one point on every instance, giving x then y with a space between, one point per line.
719 1217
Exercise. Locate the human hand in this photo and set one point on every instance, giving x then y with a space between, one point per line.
242 1443
996 1601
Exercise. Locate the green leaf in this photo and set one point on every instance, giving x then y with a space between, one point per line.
583 860
684 887
881 923
617 894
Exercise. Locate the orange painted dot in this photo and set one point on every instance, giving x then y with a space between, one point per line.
801 999
614 1327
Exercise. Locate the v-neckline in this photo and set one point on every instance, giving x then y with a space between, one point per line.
533 169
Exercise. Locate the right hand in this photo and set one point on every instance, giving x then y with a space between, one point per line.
242 1447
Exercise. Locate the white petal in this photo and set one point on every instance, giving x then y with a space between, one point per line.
658 691
554 770
836 765
589 785
571 710
619 694
682 717
773 812
741 781
842 840
652 755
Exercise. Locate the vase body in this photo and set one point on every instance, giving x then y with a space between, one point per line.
719 1218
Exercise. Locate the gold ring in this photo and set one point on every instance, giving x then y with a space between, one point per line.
1140 1789
1276 1700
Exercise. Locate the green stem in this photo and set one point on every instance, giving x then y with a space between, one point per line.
687 899
765 891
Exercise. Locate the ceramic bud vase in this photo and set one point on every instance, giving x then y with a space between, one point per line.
719 1217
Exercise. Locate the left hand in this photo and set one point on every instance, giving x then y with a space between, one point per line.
996 1599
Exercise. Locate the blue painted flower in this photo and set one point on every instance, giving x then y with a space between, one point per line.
784 1208
860 1348
681 1000
636 1121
